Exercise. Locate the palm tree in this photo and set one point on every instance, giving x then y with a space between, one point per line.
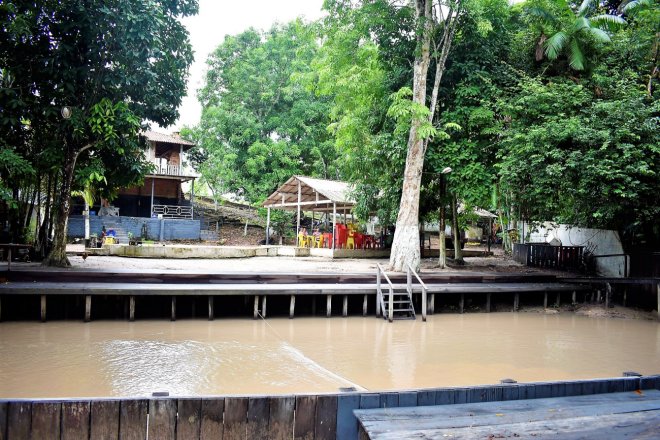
575 30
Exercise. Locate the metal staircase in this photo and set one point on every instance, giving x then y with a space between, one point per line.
398 304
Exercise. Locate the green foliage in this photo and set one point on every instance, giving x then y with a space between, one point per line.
254 134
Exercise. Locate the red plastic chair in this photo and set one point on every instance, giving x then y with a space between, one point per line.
341 234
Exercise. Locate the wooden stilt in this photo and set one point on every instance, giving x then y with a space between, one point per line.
173 317
608 294
461 303
263 306
545 300
657 286
328 306
625 296
131 309
255 313
574 298
558 301
488 302
344 306
88 308
516 302
364 305
0 309
43 308
314 305
211 314
292 306
598 297
432 304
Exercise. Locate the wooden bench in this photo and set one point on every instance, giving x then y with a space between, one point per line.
8 247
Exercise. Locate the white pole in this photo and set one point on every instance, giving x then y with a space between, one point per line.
298 224
334 226
268 225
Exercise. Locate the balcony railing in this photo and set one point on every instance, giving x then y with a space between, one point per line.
172 211
168 170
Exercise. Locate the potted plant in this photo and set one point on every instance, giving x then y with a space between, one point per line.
131 239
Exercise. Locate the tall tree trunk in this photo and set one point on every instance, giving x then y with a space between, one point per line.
405 244
57 256
458 252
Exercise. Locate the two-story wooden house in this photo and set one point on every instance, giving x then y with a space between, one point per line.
161 192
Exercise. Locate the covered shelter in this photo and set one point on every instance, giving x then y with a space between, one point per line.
317 195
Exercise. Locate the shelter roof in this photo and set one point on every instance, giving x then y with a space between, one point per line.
478 211
154 136
316 194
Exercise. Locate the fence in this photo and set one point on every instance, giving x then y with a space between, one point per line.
545 255
173 211
321 417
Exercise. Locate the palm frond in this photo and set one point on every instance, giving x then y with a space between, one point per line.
631 7
610 22
598 34
584 7
575 56
580 24
556 44
542 13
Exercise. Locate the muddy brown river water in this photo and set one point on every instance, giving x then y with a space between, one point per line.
279 356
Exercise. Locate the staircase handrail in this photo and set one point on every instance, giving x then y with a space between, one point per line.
390 313
425 289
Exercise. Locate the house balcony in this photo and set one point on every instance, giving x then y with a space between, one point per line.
162 169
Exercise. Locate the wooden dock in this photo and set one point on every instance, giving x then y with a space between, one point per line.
632 414
314 417
134 287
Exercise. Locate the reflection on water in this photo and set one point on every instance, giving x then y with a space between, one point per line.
278 356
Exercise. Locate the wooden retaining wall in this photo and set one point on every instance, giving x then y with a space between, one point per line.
309 417
547 256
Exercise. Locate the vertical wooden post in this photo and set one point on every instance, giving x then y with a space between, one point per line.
574 298
43 308
558 301
314 305
344 306
263 306
268 226
608 294
0 309
461 303
545 299
298 208
88 308
488 302
255 313
131 309
598 297
328 306
292 306
625 295
432 304
334 227
516 302
173 317
424 303
657 286
390 306
211 314
364 305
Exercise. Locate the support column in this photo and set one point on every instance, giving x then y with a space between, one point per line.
255 313
211 314
608 294
545 299
298 209
334 227
625 295
151 211
558 301
364 306
574 298
263 306
131 309
292 306
43 308
657 287
461 303
488 302
173 317
328 306
192 199
88 308
268 226
432 304
516 302
344 306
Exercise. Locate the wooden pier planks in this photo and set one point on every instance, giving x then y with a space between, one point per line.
105 420
538 417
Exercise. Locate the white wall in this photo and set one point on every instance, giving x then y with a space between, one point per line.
598 241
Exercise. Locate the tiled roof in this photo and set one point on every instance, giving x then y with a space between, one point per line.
166 138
